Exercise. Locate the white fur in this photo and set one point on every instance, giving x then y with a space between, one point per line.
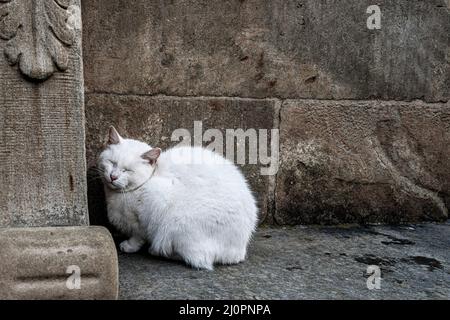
199 211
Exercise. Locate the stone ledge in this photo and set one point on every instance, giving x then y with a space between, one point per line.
42 263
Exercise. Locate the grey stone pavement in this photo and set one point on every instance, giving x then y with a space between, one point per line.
307 263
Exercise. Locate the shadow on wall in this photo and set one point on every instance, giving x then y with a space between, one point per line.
98 214
96 200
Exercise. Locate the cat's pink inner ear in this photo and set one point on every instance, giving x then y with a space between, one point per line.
152 155
114 136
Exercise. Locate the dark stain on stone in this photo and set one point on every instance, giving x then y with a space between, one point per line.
431 263
259 76
393 240
259 67
398 241
272 83
293 268
311 80
260 63
71 183
267 236
371 259
216 106
244 58
167 60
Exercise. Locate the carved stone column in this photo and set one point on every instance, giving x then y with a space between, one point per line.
42 155
42 147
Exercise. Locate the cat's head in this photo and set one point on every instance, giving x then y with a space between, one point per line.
126 163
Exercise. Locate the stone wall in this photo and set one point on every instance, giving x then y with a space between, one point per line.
363 114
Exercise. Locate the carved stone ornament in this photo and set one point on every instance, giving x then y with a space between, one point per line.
39 34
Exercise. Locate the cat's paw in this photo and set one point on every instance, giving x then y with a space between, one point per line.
127 247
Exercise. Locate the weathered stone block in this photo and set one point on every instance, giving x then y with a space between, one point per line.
374 161
153 119
282 48
58 263
42 156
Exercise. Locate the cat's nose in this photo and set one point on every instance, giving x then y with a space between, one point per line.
113 177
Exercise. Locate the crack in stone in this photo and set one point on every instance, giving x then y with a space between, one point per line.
283 99
274 179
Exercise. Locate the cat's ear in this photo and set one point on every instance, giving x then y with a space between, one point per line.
152 155
114 136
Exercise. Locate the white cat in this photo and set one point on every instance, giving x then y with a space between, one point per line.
187 203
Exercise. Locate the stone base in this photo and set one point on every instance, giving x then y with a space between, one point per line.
58 263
